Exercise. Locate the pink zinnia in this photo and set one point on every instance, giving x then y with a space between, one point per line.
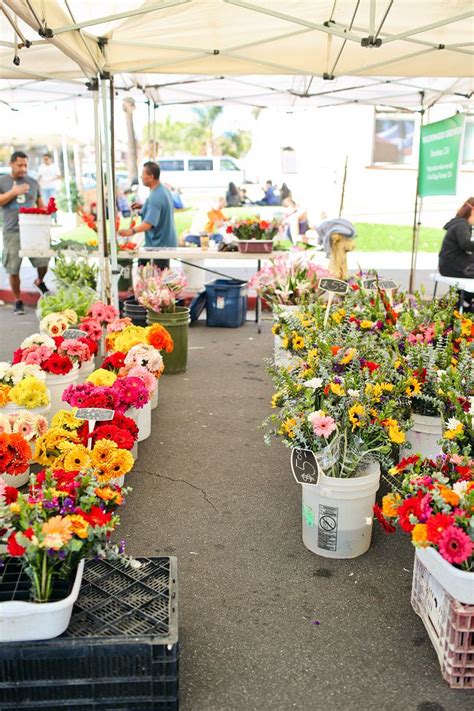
323 425
454 545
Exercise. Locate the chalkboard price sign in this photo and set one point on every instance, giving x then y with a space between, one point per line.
370 283
98 414
336 286
388 284
74 333
304 466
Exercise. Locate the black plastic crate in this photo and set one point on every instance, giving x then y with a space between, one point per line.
119 653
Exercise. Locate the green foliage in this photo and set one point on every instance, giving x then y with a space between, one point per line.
77 200
235 143
75 272
77 298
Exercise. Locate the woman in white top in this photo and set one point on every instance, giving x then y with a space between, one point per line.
47 176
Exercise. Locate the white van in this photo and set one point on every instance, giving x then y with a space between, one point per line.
200 172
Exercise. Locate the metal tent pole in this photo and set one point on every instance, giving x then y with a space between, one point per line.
115 271
417 208
101 232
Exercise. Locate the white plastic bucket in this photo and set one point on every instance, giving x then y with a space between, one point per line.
11 408
27 621
142 418
337 513
134 451
56 385
155 396
35 231
424 437
85 370
16 481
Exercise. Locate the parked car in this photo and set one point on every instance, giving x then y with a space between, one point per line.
201 172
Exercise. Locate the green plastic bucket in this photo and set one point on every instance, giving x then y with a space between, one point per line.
177 323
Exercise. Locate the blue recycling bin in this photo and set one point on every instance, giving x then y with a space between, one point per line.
226 303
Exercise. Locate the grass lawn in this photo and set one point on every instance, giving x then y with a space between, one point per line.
370 237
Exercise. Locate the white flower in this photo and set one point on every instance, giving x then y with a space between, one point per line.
34 370
353 393
459 487
471 409
452 423
4 370
398 308
314 383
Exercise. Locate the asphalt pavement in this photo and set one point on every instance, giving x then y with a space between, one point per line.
264 624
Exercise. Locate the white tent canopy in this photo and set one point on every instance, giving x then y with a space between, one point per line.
234 37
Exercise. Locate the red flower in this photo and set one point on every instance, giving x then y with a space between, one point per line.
355 287
404 463
229 230
122 438
95 517
465 472
17 356
57 364
114 361
10 494
436 525
91 344
411 506
13 547
123 422
105 401
370 365
386 525
264 225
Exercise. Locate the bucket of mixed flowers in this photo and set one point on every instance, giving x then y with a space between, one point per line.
65 517
254 235
158 294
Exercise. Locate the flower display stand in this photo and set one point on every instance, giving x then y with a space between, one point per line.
443 596
119 652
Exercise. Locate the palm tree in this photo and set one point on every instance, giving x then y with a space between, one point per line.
169 135
200 136
128 106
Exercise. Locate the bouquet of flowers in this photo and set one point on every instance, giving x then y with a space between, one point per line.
122 337
104 313
254 228
144 356
160 291
121 429
15 454
288 282
27 425
23 384
433 501
66 516
50 209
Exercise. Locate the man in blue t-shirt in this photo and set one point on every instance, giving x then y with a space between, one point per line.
157 214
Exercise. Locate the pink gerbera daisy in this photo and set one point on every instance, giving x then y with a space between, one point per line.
323 425
454 545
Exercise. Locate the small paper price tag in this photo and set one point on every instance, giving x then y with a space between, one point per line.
370 283
336 286
98 414
74 333
304 466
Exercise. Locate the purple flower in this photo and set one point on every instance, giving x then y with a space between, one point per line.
50 504
68 506
121 546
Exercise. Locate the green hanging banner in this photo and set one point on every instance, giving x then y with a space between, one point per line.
440 149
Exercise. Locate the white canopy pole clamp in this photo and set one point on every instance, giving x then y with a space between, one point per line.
101 235
110 194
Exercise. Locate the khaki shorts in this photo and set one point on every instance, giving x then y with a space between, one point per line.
11 259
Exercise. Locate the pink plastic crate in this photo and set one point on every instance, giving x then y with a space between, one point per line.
450 626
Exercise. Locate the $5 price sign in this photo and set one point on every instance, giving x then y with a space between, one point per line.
304 466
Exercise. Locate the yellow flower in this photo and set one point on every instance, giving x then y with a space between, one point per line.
70 316
337 389
276 400
30 393
466 326
387 387
312 354
57 532
366 324
348 356
413 388
102 453
419 535
276 329
102 377
452 434
287 427
4 395
285 342
356 414
298 343
65 419
338 315
390 504
79 525
121 463
15 508
396 435
77 458
448 495
397 364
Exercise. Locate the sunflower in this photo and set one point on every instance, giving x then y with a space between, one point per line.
77 458
356 415
298 342
413 388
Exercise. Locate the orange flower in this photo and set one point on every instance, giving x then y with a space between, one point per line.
390 504
79 526
57 532
335 349
106 493
160 338
449 496
419 535
4 390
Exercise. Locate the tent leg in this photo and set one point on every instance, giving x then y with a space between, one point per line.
101 232
417 210
115 271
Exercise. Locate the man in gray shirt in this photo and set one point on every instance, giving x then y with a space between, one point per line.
19 190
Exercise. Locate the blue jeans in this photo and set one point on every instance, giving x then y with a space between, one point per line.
46 194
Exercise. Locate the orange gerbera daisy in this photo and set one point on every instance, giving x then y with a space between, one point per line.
160 338
57 532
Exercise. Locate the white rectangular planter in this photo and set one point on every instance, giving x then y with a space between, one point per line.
27 621
457 583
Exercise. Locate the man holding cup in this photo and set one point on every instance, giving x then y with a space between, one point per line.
19 190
